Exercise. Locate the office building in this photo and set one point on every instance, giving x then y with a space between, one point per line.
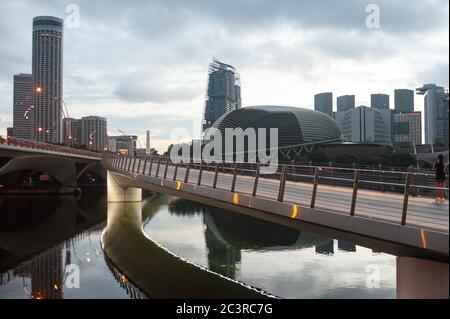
367 125
436 113
408 129
345 102
404 100
123 145
94 133
47 79
72 132
223 93
23 109
379 101
323 102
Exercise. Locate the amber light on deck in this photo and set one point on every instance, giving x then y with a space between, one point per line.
294 211
422 237
178 185
236 198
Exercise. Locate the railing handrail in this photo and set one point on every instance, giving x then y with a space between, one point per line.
29 144
408 186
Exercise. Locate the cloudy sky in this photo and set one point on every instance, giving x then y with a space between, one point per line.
143 64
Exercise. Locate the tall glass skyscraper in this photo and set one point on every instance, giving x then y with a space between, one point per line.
223 94
323 102
345 102
47 70
404 100
379 101
23 110
436 113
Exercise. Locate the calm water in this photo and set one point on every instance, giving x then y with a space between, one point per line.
285 262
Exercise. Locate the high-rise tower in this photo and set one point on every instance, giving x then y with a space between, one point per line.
223 93
47 80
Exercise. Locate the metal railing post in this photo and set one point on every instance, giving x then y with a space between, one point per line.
122 164
145 166
199 181
216 173
355 192
255 184
186 175
380 166
129 164
157 167
282 184
175 172
314 192
405 199
233 183
165 169
134 164
151 166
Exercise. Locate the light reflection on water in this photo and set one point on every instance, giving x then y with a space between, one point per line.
283 261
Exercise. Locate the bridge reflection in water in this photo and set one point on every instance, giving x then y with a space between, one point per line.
284 261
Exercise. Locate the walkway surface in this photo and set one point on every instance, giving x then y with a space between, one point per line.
422 212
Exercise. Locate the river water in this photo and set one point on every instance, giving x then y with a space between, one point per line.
41 238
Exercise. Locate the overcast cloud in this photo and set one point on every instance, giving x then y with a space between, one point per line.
143 64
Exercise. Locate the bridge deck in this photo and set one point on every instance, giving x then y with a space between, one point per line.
422 211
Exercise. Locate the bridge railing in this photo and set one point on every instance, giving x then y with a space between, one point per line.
390 195
10 141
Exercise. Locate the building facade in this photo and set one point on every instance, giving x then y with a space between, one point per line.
323 102
223 93
47 70
72 132
123 145
345 102
408 129
436 113
367 125
379 101
404 100
23 109
94 133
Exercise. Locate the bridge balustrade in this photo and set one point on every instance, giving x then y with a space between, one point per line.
352 190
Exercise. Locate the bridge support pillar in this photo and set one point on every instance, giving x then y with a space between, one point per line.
421 278
117 193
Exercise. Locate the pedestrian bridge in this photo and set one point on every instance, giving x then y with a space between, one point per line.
390 211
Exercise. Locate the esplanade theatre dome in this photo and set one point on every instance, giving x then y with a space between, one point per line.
295 125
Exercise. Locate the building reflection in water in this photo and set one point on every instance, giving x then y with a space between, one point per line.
227 234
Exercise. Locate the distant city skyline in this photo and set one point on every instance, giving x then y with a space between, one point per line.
285 53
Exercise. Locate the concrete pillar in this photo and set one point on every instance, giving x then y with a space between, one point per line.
421 278
116 193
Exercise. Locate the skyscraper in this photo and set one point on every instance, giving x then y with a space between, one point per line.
323 102
379 101
23 110
94 133
345 102
404 100
436 113
408 129
47 80
223 93
367 125
71 131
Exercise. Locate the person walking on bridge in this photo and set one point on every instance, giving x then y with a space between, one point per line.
441 169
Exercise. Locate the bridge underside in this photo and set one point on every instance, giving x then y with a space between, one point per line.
378 235
19 172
